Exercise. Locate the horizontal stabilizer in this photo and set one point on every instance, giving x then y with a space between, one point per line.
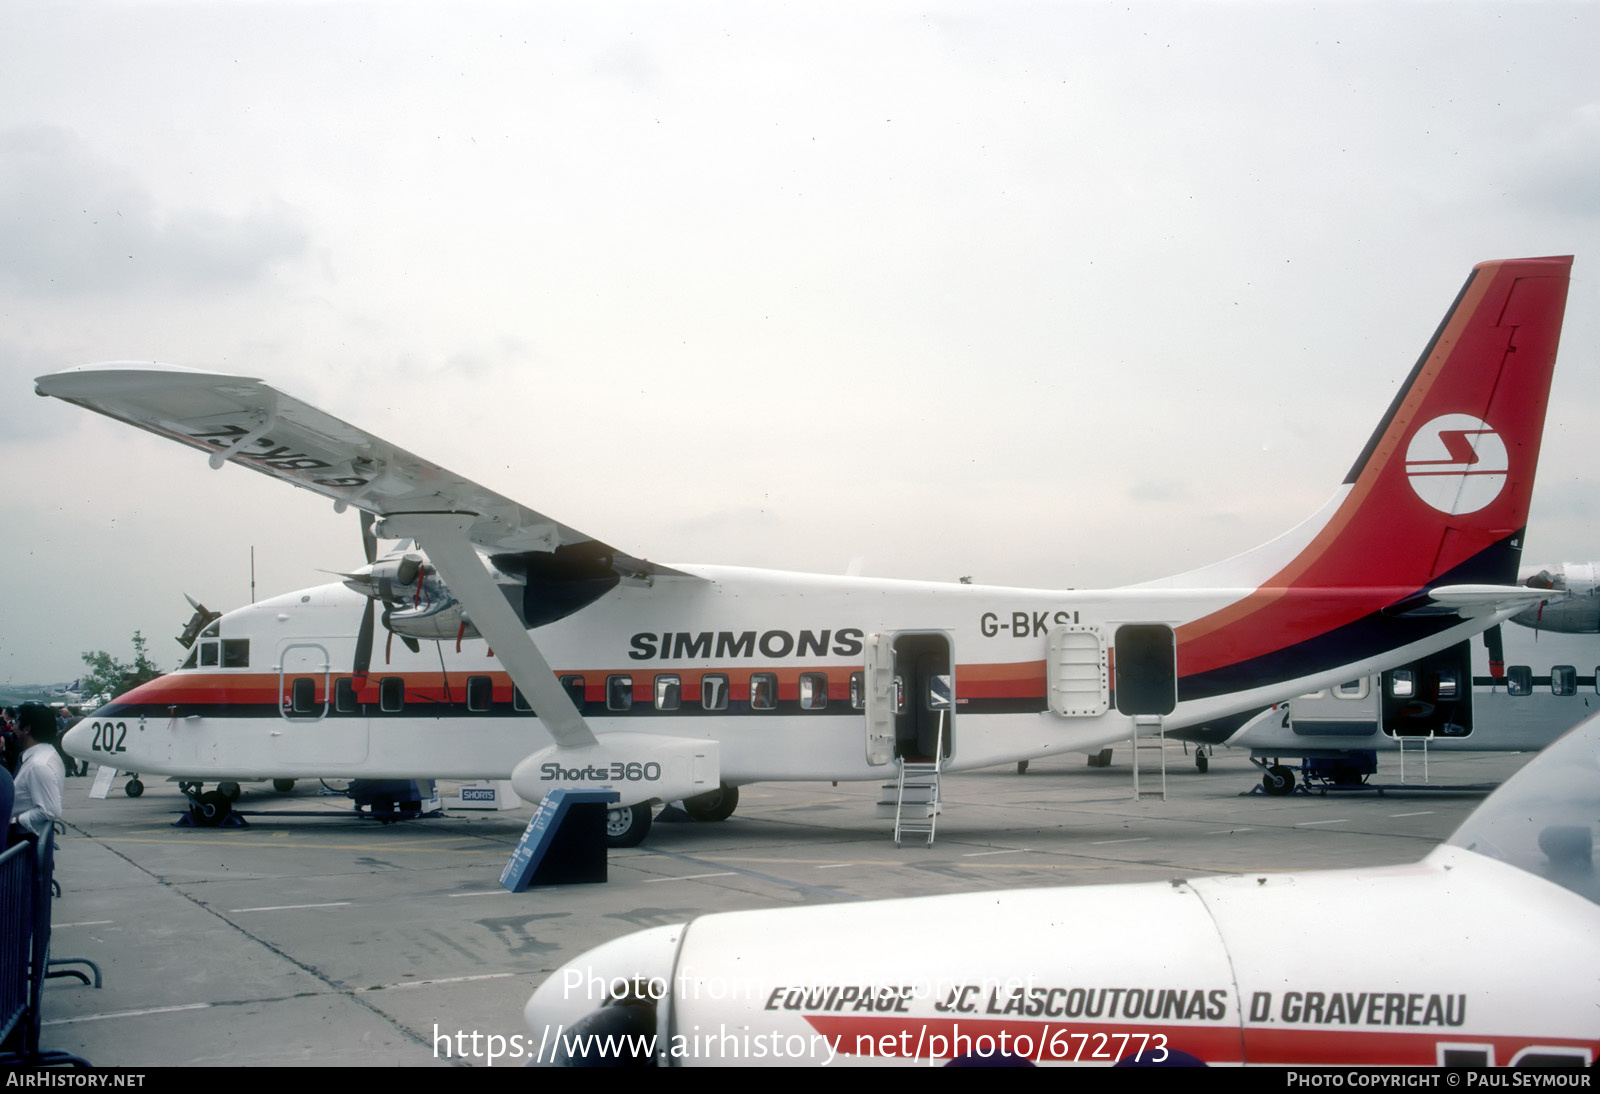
1470 601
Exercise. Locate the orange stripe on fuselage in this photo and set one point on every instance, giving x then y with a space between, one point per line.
1025 679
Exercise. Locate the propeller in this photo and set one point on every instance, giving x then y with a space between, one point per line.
407 573
369 544
203 617
1495 644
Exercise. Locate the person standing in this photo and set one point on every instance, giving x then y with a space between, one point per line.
40 777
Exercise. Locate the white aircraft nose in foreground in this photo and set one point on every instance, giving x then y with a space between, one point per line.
668 682
1485 954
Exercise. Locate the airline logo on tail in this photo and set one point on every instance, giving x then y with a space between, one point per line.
1457 463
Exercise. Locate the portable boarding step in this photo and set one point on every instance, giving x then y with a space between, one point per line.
916 800
1413 746
1149 744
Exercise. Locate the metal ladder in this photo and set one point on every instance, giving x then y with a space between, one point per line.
919 789
1413 744
1145 737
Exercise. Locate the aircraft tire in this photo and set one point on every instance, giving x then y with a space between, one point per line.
1201 763
230 789
283 786
1278 781
627 825
134 788
714 805
211 809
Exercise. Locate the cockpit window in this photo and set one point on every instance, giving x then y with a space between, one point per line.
236 653
1546 817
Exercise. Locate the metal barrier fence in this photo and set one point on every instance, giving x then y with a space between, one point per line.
17 894
26 876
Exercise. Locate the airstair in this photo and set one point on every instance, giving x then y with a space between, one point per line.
916 806
1415 746
1149 749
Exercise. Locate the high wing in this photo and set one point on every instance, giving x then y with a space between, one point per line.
241 419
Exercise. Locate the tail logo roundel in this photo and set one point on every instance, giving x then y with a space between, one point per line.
1457 463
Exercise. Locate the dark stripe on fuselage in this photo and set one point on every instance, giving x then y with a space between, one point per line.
457 711
1370 636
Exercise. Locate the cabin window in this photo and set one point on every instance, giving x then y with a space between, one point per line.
1403 684
391 694
1519 680
713 691
1563 680
520 702
1597 679
813 690
574 686
763 691
344 695
858 691
1447 685
236 653
208 654
303 695
619 693
1353 689
480 693
669 691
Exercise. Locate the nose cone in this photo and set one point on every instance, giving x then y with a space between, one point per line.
79 740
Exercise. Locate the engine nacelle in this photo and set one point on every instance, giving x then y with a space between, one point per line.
1574 604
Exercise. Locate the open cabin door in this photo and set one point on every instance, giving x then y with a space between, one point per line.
1146 667
910 696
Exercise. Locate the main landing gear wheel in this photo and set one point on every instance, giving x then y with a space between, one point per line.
1278 781
714 805
627 825
283 786
211 809
134 788
230 789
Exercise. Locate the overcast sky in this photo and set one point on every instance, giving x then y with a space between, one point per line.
1057 294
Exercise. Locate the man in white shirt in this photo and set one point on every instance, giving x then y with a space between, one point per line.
40 777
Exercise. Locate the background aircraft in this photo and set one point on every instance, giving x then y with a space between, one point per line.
1486 953
668 682
1515 688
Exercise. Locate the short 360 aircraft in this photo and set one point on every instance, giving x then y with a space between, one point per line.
683 682
1199 972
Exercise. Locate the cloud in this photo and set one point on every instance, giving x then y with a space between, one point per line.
73 223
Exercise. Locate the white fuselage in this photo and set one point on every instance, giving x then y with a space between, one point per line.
789 650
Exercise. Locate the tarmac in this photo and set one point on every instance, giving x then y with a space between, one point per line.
329 940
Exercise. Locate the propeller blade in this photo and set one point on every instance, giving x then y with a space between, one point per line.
364 641
369 537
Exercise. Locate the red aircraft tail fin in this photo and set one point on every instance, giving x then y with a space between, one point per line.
1439 495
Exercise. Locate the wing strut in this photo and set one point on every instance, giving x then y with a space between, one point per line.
444 537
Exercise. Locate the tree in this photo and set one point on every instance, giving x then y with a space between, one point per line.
108 676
